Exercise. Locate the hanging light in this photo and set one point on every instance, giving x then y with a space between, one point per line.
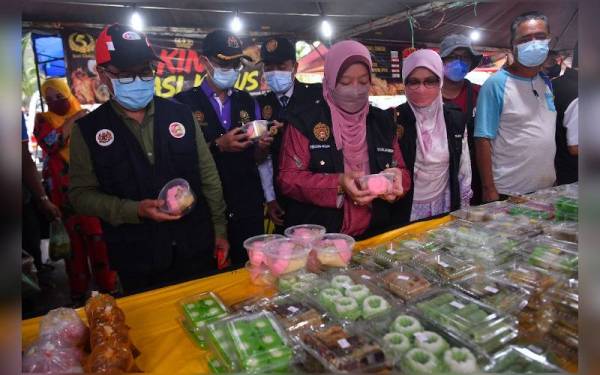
475 35
326 29
136 22
236 24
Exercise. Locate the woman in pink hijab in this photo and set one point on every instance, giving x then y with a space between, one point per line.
335 141
433 141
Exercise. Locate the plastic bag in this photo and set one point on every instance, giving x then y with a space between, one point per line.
60 245
44 356
64 326
110 358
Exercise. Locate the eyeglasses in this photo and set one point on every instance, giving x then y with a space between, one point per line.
429 83
128 77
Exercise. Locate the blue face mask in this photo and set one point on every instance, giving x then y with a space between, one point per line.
135 95
533 53
224 78
280 81
456 70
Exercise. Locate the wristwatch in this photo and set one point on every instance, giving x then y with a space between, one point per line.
214 147
44 198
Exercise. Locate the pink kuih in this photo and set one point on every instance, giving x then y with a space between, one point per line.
379 184
335 250
255 247
179 198
285 255
305 233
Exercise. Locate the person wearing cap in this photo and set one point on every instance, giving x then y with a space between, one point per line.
221 110
287 95
459 58
124 152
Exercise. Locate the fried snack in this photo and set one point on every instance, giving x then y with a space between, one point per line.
109 358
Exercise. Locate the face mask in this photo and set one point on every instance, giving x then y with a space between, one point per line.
60 106
224 78
279 81
135 95
456 70
553 71
422 97
351 98
533 53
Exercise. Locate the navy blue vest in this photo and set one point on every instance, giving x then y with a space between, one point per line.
239 174
123 171
326 158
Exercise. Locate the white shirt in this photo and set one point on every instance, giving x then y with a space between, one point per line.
571 122
518 115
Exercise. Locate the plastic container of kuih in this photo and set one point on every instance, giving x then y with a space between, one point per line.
300 282
377 184
520 360
562 230
215 366
518 228
417 242
178 197
202 308
565 298
405 282
255 129
342 351
293 314
566 209
334 249
255 344
260 275
446 267
485 212
486 256
531 278
552 255
255 246
503 296
472 321
533 210
285 255
563 343
305 233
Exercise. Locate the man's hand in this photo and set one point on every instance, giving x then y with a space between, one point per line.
150 209
275 212
397 190
234 140
222 252
50 210
265 142
358 197
489 194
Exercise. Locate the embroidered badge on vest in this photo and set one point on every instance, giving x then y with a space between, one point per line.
267 112
244 117
321 132
399 131
105 137
199 115
177 130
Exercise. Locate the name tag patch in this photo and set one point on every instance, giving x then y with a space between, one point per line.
315 147
105 137
383 149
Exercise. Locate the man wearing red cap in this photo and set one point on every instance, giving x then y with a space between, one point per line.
124 152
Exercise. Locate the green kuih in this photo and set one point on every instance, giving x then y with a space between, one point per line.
407 325
419 362
460 361
431 341
329 296
396 344
374 306
359 292
347 308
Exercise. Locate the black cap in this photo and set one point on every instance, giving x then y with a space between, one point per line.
123 47
223 45
277 50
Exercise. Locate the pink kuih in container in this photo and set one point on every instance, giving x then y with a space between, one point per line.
178 197
377 184
260 275
305 233
255 129
334 249
255 247
285 255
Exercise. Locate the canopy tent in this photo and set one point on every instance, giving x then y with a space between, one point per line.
384 20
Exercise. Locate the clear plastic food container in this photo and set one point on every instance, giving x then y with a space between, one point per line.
552 255
405 282
531 278
446 267
520 360
178 197
260 275
305 233
500 295
562 231
255 246
293 314
285 255
417 242
300 282
334 249
390 255
377 184
533 210
255 129
565 298
342 351
202 308
468 318
566 209
485 212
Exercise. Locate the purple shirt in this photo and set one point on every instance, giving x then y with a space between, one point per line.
223 110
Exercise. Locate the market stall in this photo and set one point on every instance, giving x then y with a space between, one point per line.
490 288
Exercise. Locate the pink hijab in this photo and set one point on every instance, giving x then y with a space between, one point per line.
432 159
349 130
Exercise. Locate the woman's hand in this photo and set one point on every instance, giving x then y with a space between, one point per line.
68 125
397 190
358 196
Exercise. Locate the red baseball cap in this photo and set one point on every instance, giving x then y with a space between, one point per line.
123 47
